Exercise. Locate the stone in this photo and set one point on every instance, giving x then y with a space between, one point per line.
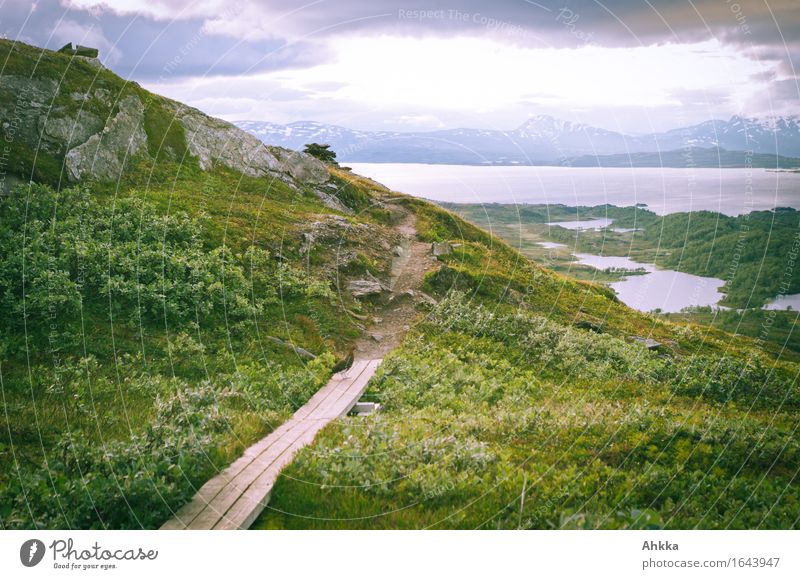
70 132
214 141
94 144
330 229
418 296
649 343
345 258
398 251
427 299
364 287
443 248
300 166
23 101
332 202
103 155
365 408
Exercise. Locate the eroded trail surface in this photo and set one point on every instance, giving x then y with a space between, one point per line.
236 496
390 322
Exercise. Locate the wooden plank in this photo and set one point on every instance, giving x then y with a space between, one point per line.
210 492
354 393
238 494
188 512
253 500
239 486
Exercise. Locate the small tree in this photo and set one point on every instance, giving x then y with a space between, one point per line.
321 152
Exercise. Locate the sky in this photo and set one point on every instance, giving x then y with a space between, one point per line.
635 66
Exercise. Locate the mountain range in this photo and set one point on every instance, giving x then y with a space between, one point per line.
545 140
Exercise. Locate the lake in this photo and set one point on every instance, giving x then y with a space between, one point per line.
663 190
664 289
790 302
585 225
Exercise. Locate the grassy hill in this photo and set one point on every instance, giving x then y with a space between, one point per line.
136 357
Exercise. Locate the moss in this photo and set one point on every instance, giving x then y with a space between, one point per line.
166 138
39 166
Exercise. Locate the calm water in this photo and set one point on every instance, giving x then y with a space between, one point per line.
671 291
729 191
663 190
584 225
784 303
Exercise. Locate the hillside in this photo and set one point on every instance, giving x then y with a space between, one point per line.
174 290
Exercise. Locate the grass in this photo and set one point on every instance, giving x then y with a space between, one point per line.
101 382
600 431
133 363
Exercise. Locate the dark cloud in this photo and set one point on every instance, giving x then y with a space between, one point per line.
160 40
237 34
779 97
147 49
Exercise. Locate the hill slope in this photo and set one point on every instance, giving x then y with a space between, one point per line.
173 291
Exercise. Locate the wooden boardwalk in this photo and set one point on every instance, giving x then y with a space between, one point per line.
236 496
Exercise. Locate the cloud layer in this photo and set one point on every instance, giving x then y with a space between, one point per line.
278 45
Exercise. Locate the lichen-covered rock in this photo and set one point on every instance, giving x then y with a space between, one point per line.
443 248
23 102
70 132
326 192
300 166
215 141
91 123
103 155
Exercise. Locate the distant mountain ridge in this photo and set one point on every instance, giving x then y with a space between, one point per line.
547 140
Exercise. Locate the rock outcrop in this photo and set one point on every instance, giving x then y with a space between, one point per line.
103 154
63 109
215 141
443 248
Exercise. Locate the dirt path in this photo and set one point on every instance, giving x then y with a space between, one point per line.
234 498
390 322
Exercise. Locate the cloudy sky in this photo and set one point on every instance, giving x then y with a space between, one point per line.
630 65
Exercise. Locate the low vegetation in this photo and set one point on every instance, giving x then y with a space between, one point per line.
509 420
135 361
117 316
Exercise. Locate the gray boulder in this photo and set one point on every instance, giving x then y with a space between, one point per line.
361 288
300 166
214 141
70 132
443 248
103 155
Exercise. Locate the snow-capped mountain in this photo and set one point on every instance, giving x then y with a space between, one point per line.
540 140
768 135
